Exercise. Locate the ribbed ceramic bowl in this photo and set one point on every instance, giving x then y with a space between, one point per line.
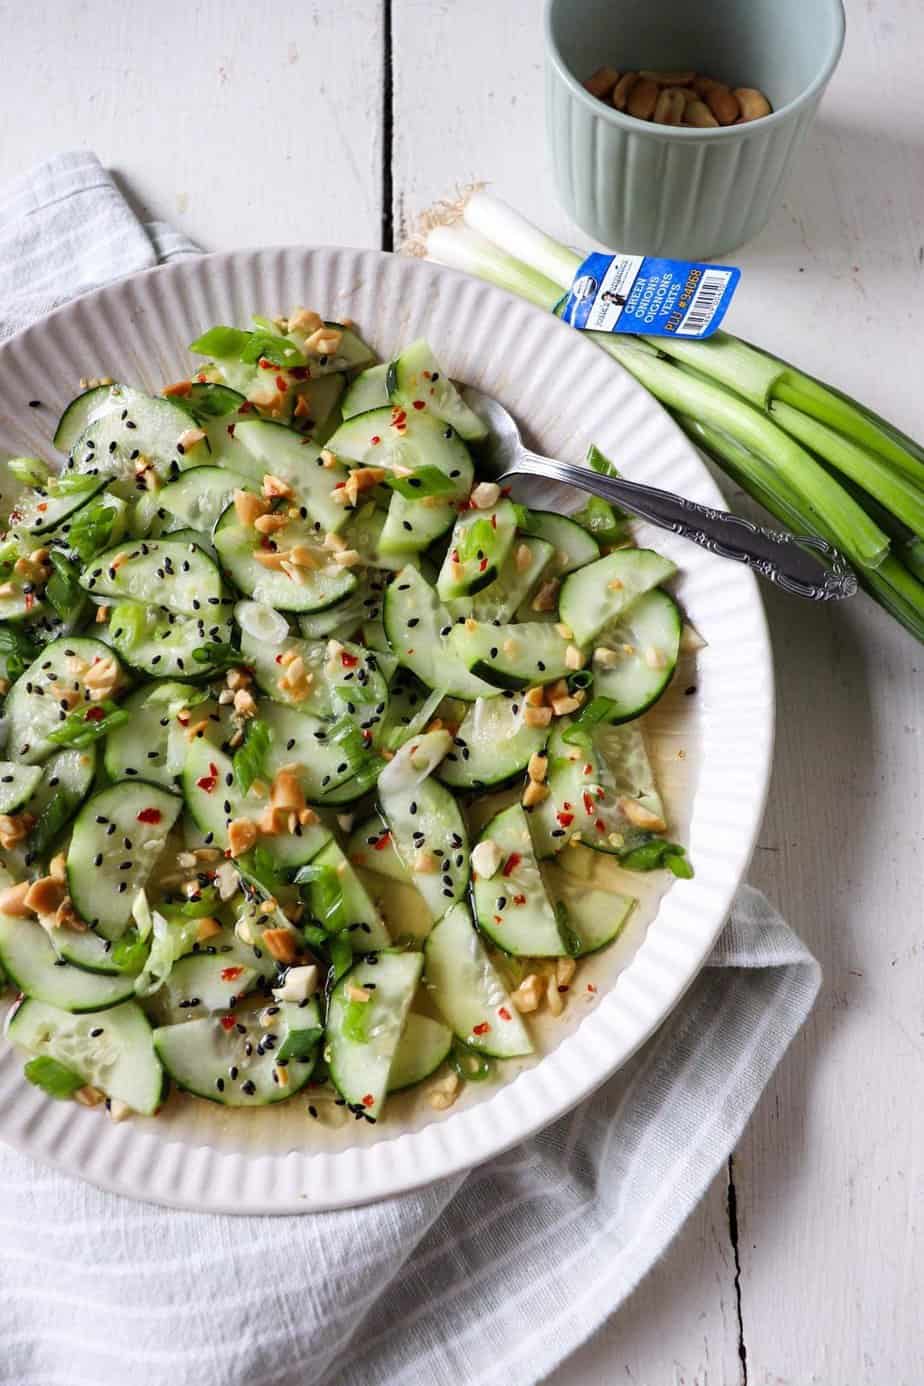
664 190
712 750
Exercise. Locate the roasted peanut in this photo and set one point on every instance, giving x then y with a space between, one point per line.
723 104
644 98
669 107
752 103
623 90
668 79
698 113
602 82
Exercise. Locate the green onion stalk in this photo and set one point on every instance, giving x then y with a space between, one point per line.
819 461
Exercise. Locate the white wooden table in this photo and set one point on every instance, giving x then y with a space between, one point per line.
336 122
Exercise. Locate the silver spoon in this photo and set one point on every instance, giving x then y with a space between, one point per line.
779 557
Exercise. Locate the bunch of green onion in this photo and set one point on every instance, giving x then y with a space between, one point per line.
820 462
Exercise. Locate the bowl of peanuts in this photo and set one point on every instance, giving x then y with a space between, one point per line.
672 123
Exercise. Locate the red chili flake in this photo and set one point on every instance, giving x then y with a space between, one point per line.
482 565
591 987
367 736
29 600
504 1013
497 918
383 841
481 1029
368 1100
375 438
281 383
349 661
601 793
600 826
455 555
246 407
230 430
42 505
149 815
565 819
511 864
231 974
519 899
298 372
209 781
201 378
228 1022
588 769
95 714
278 659
494 522
266 365
588 804
565 804
426 375
183 718
419 404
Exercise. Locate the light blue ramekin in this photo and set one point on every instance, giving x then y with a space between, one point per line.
669 190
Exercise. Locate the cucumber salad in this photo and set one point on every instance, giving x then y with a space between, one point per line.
305 727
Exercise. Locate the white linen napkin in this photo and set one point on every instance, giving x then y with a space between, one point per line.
486 1279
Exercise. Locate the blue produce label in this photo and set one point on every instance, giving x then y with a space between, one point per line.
642 294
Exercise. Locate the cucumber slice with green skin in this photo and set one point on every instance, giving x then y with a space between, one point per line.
181 577
391 438
418 626
511 656
111 1050
353 909
651 629
468 991
364 603
151 745
66 780
591 785
157 642
297 737
32 709
599 593
20 605
364 533
140 816
280 451
352 354
17 784
362 1044
94 954
493 744
511 587
197 538
371 846
223 1065
201 495
597 917
32 965
48 511
573 546
82 410
209 401
512 906
214 800
478 548
423 816
314 589
413 525
323 398
144 426
368 391
201 982
423 1046
410 707
265 658
416 380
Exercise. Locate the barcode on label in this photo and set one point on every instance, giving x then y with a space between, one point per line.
706 301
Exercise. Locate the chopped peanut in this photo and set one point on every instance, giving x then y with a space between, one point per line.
302 556
102 615
304 320
270 524
562 706
89 1096
270 558
523 557
485 494
57 867
15 828
244 704
249 507
445 1092
275 486
614 585
66 917
487 856
324 341
528 994
190 437
242 835
118 1110
196 729
538 766
281 944
302 407
537 716
564 631
655 658
238 678
573 658
553 997
207 928
640 817
565 969
546 597
355 993
286 792
605 657
535 696
13 900
307 817
266 396
425 863
335 542
348 558
363 479
534 793
45 895
328 459
273 821
102 678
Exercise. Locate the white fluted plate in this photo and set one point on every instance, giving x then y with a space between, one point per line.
712 748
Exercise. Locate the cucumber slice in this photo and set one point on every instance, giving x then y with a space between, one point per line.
349 905
493 744
368 391
573 546
593 788
111 1050
423 1046
392 438
151 745
94 954
32 965
511 656
417 626
203 982
596 917
214 799
265 657
201 495
371 846
478 548
106 869
144 426
17 784
32 709
50 510
645 643
82 410
322 398
160 643
364 533
20 604
416 380
233 1068
513 584
512 906
65 783
312 589
362 1044
182 578
413 525
468 990
427 828
602 591
281 451
342 620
